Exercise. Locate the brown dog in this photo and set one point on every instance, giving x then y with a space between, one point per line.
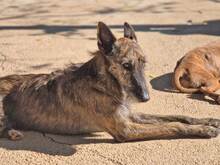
94 97
199 71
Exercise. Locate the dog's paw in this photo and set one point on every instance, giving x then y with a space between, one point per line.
209 132
214 122
15 135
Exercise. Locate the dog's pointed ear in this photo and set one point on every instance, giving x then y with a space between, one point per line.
105 37
129 32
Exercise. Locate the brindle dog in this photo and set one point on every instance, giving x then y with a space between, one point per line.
94 97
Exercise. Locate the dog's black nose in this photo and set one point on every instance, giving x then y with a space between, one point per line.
145 97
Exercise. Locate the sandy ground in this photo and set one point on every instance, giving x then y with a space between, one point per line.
42 35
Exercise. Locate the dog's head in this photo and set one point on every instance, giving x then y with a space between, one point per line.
126 60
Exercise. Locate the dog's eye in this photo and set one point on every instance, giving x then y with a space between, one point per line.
142 60
127 66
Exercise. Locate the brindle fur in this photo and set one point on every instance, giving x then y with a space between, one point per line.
199 71
94 97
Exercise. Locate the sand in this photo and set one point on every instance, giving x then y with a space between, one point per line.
40 36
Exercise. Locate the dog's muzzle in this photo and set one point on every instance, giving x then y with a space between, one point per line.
140 88
142 94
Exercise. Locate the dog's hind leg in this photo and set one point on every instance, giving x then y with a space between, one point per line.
3 123
210 87
153 119
7 131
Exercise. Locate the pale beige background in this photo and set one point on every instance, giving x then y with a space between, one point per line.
44 35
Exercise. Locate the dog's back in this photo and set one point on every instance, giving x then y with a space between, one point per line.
7 83
44 102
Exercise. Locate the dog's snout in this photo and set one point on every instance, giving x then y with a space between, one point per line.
140 88
142 94
145 97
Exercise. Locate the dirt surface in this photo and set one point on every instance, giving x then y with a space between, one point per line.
39 36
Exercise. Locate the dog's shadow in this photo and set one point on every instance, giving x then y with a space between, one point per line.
164 83
52 144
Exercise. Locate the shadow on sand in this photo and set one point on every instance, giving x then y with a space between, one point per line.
210 27
164 83
52 144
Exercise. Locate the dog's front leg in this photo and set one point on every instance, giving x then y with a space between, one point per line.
153 119
123 129
132 131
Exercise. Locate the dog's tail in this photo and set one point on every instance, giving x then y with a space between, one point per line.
178 73
7 83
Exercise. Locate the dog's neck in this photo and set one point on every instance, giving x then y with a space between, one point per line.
96 70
